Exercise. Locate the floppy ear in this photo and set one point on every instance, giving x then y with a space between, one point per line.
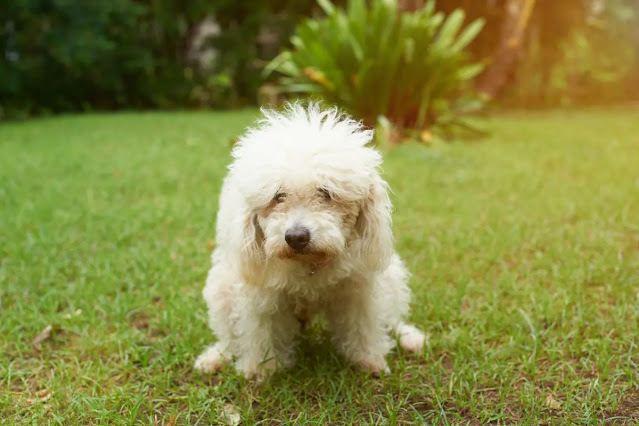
374 226
251 253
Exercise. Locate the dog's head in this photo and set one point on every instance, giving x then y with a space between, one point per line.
313 190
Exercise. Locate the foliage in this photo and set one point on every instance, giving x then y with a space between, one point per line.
78 55
575 51
71 55
524 253
410 68
251 35
63 55
594 62
600 60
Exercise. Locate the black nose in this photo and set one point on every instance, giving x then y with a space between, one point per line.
297 238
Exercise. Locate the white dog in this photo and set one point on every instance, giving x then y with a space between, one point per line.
304 228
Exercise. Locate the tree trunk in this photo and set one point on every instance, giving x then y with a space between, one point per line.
504 59
410 5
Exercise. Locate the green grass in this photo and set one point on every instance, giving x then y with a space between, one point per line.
524 250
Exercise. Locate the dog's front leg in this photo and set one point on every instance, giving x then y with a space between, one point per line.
265 337
359 332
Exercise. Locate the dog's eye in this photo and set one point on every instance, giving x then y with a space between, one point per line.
325 194
280 197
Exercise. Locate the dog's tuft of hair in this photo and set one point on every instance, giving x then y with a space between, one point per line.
304 228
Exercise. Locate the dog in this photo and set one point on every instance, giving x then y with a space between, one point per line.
304 230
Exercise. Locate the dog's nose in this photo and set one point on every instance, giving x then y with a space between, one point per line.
297 238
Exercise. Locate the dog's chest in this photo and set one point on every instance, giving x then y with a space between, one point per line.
306 309
307 292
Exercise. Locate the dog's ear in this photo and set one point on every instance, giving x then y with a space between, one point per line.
374 226
251 253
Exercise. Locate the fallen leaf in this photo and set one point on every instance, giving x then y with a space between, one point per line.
44 335
42 396
552 403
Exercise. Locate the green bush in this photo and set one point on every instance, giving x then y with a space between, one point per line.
70 55
77 55
408 68
235 76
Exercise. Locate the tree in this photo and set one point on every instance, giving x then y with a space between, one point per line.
504 60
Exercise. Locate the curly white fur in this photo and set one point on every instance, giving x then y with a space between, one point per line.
310 169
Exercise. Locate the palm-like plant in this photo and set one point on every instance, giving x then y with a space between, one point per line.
409 68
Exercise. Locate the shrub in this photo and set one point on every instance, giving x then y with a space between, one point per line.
251 34
76 55
70 55
408 68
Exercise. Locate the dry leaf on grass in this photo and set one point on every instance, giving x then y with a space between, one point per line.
42 396
44 335
552 403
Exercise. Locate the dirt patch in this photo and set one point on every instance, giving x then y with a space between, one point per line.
628 410
139 320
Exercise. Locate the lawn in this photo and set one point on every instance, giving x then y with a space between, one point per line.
524 249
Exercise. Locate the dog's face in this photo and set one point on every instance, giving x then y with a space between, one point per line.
307 223
312 191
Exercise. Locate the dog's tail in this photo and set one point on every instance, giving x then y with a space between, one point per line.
411 338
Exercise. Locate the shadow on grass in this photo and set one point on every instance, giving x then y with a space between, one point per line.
324 387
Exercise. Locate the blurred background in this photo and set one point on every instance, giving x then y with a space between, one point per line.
411 65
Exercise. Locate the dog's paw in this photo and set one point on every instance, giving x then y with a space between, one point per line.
376 365
411 339
257 371
211 360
